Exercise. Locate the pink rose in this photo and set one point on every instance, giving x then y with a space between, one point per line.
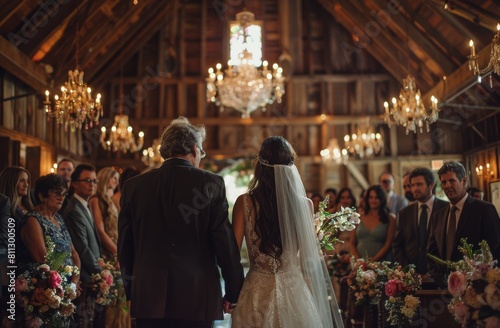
457 283
107 276
21 284
462 312
54 280
392 287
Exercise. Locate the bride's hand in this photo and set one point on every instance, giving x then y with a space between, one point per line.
229 307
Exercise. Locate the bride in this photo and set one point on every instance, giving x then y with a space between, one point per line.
288 284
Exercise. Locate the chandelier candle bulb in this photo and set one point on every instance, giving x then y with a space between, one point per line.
472 48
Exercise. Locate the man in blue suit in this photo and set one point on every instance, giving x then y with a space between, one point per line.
466 217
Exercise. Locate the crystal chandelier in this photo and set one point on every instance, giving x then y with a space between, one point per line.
332 155
494 63
121 137
151 156
409 110
75 107
243 86
365 143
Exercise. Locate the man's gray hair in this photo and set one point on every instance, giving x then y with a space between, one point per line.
180 137
453 166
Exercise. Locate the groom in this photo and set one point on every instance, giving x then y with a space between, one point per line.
173 233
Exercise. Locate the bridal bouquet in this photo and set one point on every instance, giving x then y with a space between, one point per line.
108 283
474 285
401 284
44 291
327 225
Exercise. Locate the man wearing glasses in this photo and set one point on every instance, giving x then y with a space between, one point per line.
80 223
173 232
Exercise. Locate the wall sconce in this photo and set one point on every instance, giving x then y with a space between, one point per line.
487 174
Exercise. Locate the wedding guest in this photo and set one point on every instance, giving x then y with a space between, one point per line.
332 195
412 229
288 284
64 169
173 232
4 221
373 237
345 198
316 199
475 192
395 202
466 217
407 188
80 223
128 173
14 183
106 221
43 222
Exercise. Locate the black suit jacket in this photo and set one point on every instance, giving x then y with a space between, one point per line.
173 232
405 244
478 221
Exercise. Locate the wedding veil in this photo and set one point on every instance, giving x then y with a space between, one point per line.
301 255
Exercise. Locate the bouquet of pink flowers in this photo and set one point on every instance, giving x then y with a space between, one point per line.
109 284
327 225
400 286
474 285
45 292
364 281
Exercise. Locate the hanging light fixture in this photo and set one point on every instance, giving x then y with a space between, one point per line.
365 143
75 106
151 156
243 86
333 155
494 63
409 111
121 137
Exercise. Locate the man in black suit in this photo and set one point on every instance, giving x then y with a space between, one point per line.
80 222
173 233
412 230
466 217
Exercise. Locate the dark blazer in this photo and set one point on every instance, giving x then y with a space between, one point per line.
478 221
84 236
173 232
405 244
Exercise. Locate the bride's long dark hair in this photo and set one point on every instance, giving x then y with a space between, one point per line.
262 190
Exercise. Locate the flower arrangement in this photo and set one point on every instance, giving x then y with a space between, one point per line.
45 292
474 285
400 285
327 225
364 281
109 284
339 265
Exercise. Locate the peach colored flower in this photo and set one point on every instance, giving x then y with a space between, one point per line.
462 312
492 296
457 283
39 296
32 321
492 322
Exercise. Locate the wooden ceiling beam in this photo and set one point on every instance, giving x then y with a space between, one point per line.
22 67
103 69
400 22
437 7
474 14
382 47
63 13
9 8
438 39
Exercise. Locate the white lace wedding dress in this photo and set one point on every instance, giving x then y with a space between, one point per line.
294 291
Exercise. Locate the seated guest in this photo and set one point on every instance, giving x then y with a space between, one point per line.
332 195
316 199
